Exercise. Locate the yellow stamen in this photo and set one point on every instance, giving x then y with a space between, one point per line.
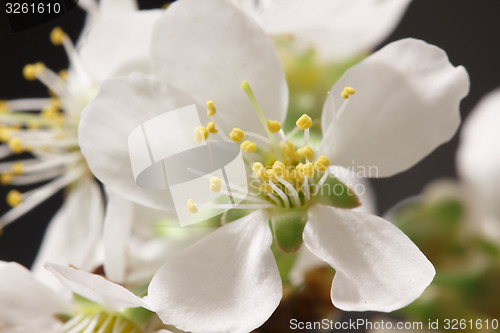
266 188
191 206
273 125
15 144
215 184
211 110
279 168
17 168
4 134
347 92
321 164
30 71
14 198
57 36
5 178
248 147
308 152
63 74
237 135
211 127
200 134
304 122
287 147
4 106
308 170
55 102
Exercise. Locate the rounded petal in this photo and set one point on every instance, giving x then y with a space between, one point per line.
209 48
96 288
74 234
118 44
122 105
406 104
478 156
377 266
337 29
25 301
227 282
110 7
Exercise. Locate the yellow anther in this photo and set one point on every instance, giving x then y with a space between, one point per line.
279 168
344 94
4 134
270 173
165 6
15 144
63 74
211 127
273 125
211 110
191 206
14 198
287 147
17 168
248 147
49 112
215 183
200 134
30 71
5 178
321 164
4 106
237 135
57 36
304 122
55 102
308 170
257 166
350 90
266 188
308 152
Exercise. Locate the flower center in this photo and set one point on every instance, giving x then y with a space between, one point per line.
283 175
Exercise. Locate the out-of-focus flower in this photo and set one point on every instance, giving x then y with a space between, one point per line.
114 41
478 162
228 281
335 29
101 305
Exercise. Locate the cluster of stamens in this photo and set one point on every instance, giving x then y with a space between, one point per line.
47 134
286 180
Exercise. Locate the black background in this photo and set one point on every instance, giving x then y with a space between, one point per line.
468 30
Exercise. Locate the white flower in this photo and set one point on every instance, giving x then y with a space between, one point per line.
478 162
405 105
29 306
336 29
114 41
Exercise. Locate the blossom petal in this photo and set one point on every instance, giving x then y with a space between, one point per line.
227 282
377 266
24 300
478 157
110 7
337 29
406 104
117 44
122 105
209 48
96 288
74 234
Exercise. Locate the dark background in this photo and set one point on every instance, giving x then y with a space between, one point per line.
468 30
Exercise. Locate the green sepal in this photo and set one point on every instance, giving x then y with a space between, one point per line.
139 316
334 193
287 225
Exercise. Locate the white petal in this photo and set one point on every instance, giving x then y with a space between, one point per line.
118 44
96 288
335 28
122 105
208 48
116 234
24 300
227 282
73 235
406 104
478 157
377 266
113 7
